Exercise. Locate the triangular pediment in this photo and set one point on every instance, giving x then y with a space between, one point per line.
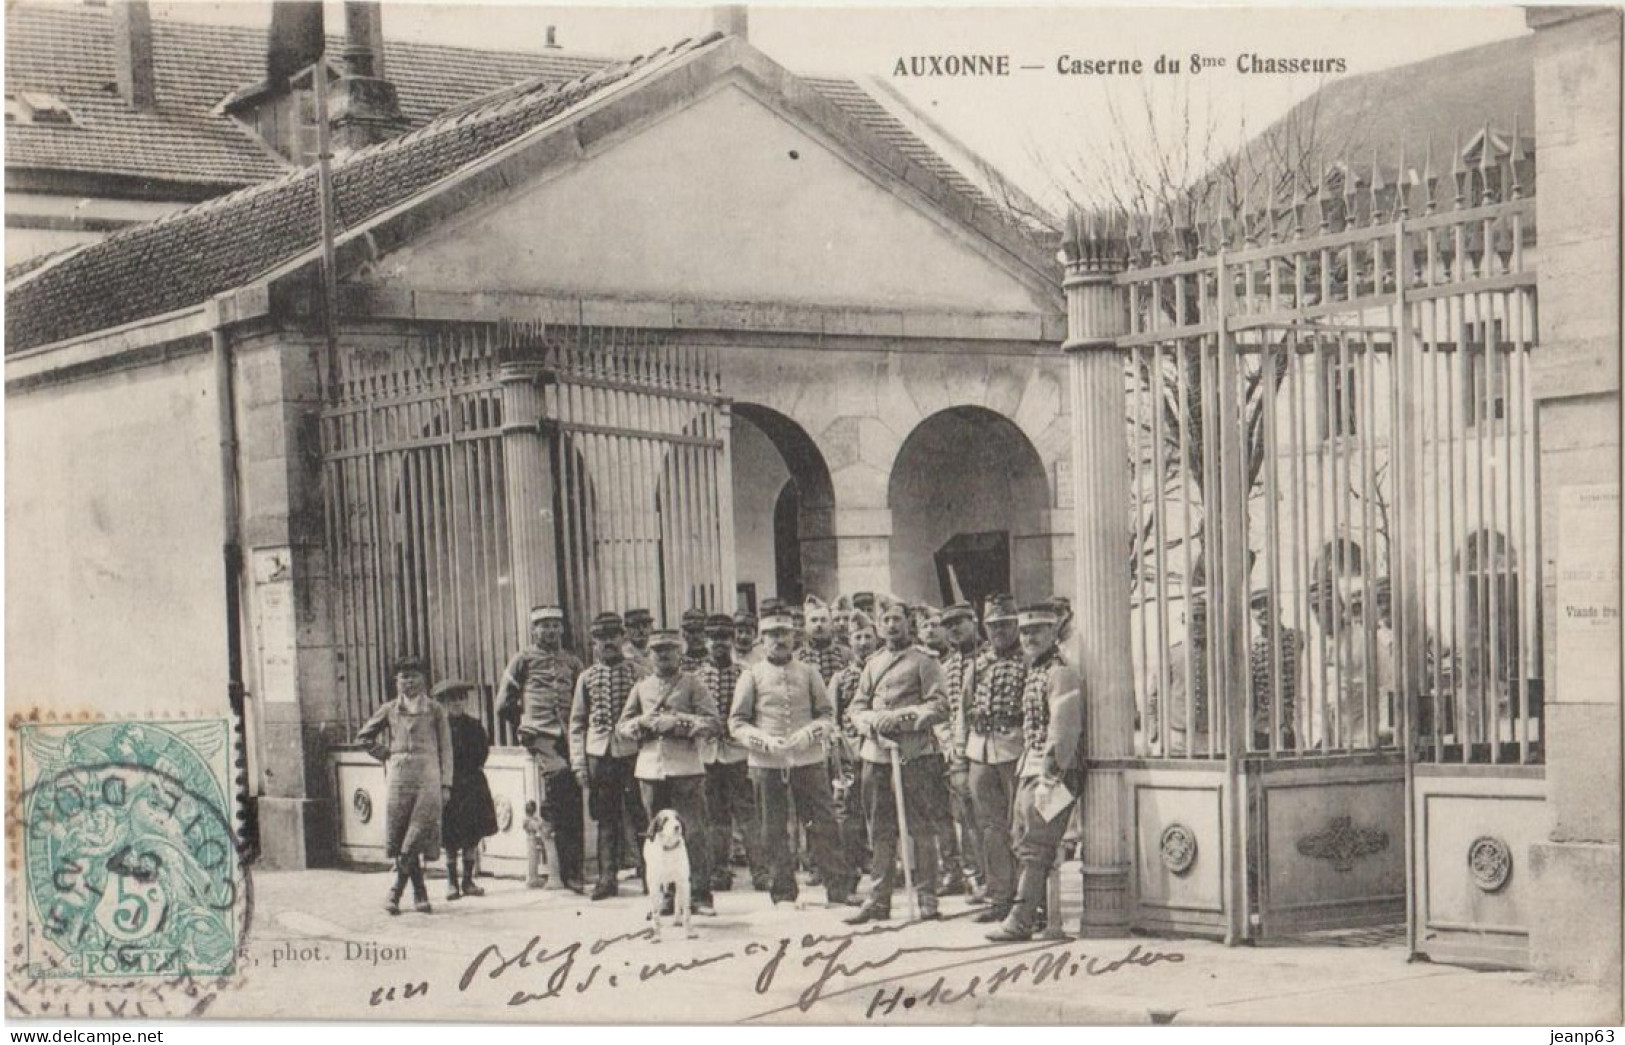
726 196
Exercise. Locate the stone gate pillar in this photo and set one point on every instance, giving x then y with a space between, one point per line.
527 464
1096 317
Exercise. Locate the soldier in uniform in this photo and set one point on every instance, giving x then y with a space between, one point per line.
988 743
669 715
782 714
728 789
1050 772
603 760
845 763
900 700
638 625
694 644
535 696
821 651
963 869
745 649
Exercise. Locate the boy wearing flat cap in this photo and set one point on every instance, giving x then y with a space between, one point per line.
470 814
668 715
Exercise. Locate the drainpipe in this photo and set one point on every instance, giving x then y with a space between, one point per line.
232 550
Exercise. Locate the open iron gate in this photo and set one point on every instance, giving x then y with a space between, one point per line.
1336 597
433 474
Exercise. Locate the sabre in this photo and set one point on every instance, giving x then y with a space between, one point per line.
905 842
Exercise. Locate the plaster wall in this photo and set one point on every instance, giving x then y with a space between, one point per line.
722 200
115 576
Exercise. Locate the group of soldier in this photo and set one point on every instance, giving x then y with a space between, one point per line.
856 733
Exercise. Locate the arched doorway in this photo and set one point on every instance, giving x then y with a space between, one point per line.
784 508
968 493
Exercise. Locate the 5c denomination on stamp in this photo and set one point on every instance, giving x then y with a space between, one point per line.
130 856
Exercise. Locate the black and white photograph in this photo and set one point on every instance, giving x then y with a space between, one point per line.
766 516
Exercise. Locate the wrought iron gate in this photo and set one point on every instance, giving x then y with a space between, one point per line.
419 480
1336 591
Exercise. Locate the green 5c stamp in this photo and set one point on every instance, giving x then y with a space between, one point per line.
129 850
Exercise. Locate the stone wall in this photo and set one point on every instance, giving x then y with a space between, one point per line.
1576 383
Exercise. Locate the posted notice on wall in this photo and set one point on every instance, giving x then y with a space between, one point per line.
1588 621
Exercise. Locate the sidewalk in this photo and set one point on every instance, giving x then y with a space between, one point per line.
321 947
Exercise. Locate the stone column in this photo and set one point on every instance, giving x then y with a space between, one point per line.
1096 317
527 467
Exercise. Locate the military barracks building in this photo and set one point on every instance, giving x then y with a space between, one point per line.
694 329
685 330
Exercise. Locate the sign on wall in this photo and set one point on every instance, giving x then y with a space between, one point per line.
1587 610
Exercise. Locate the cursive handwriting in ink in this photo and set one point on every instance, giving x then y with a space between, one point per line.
380 995
1044 969
835 969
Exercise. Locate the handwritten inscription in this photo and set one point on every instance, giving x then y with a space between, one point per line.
810 969
1047 969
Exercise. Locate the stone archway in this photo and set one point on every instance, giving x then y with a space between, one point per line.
969 487
784 507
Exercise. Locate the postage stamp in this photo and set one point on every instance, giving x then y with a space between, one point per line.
129 855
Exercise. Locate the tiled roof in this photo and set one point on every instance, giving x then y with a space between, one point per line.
68 52
483 99
186 257
1446 99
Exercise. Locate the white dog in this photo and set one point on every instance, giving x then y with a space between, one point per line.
665 860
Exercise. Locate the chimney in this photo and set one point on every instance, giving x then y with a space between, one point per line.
132 54
366 108
552 38
731 20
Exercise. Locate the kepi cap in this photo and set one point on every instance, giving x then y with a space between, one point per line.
639 616
665 638
958 611
999 608
776 622
546 613
1037 614
606 624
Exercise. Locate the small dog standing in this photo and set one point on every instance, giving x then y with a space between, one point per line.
665 856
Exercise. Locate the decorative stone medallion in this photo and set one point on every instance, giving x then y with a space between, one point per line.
1342 843
1178 848
361 802
1489 861
504 813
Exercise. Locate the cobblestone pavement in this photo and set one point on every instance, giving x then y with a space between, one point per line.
322 947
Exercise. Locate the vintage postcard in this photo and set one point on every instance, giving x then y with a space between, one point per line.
786 515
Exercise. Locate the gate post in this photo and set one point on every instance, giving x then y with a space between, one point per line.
1097 316
527 473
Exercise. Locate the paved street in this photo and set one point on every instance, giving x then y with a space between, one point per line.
322 946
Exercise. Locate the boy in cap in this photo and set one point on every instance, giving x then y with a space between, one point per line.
900 700
728 789
535 697
668 715
988 742
411 736
1050 772
782 714
469 815
602 759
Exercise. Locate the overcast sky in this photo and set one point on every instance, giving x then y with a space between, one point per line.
1026 123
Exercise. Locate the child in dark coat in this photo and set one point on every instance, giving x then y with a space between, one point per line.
470 815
